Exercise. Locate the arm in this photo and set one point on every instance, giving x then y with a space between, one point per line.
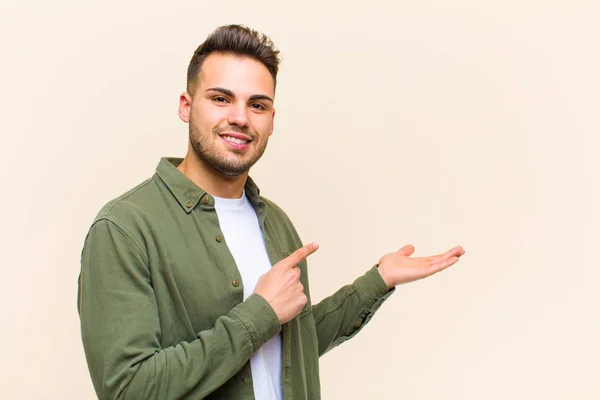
341 316
121 331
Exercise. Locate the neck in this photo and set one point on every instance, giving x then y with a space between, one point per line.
204 176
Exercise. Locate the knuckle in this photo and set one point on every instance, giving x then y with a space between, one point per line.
293 261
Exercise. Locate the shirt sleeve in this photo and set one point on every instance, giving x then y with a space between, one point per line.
341 316
121 330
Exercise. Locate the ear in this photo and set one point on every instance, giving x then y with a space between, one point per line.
185 104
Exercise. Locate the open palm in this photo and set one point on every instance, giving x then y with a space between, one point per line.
399 267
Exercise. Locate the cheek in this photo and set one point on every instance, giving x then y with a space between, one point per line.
208 116
263 124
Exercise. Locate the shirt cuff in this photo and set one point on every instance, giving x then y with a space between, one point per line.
259 318
372 289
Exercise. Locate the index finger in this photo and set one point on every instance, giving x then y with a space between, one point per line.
300 255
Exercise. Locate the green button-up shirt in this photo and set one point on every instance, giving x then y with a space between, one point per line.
161 299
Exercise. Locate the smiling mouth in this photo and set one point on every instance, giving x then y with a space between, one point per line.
235 139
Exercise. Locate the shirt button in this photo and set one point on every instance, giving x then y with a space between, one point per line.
205 200
357 324
219 238
188 204
235 283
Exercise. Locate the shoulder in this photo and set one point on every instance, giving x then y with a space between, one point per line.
130 201
272 206
132 211
275 211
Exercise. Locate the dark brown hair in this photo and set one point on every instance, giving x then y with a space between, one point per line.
237 40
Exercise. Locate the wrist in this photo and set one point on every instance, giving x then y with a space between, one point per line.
384 276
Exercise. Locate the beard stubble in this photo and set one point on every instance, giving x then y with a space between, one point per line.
208 150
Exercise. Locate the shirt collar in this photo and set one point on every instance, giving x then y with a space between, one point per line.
188 194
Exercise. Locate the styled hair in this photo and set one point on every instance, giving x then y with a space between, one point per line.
236 40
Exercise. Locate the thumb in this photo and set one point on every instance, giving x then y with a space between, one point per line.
407 250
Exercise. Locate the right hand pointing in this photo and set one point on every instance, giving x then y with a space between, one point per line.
281 286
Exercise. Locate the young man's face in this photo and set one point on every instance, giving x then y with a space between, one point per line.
231 113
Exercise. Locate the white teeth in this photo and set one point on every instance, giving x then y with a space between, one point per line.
235 140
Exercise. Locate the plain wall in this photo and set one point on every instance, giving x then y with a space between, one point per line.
432 123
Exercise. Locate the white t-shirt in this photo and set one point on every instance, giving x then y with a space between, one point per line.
244 239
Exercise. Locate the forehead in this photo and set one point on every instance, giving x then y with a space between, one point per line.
244 76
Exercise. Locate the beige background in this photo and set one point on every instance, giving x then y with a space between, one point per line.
472 123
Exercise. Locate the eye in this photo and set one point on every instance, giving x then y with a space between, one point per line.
219 99
258 106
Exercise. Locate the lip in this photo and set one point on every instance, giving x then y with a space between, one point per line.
236 135
236 146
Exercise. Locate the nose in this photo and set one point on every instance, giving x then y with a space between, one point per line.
238 115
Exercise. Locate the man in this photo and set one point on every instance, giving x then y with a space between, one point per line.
193 285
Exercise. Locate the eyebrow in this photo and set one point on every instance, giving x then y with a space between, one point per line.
229 93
